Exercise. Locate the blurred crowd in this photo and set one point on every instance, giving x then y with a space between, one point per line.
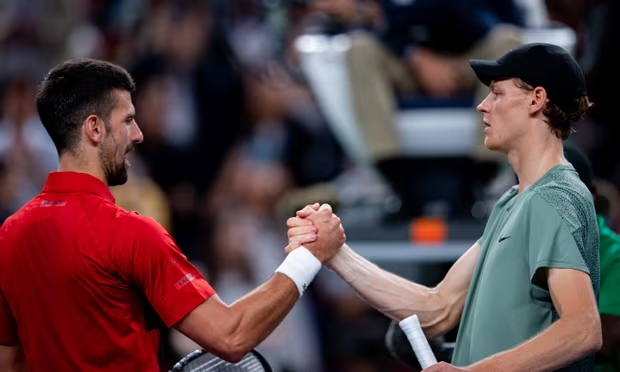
235 140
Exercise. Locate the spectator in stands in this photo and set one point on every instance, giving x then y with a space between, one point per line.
142 194
7 190
608 358
193 70
600 60
28 151
424 47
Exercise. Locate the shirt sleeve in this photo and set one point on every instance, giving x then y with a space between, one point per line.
8 327
157 267
550 243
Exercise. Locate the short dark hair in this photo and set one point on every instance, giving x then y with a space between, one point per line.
74 90
561 122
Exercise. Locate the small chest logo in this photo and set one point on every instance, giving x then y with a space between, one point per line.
503 238
53 203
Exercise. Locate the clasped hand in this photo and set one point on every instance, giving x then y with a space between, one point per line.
318 229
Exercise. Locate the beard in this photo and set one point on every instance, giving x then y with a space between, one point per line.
113 163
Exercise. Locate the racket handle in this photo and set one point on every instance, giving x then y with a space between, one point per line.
412 329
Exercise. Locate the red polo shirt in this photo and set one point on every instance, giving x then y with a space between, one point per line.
85 285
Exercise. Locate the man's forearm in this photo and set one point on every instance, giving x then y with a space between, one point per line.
392 295
231 331
564 342
262 310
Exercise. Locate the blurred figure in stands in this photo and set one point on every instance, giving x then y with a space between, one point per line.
597 24
190 69
141 194
243 205
422 47
27 150
7 192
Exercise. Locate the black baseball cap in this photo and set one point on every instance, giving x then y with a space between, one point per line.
540 65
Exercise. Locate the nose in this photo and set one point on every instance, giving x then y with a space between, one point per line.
484 106
136 134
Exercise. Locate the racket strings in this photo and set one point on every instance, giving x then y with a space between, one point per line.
248 364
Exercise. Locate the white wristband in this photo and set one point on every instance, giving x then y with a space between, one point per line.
301 267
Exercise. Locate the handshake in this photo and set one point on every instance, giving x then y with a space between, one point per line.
320 232
315 236
318 229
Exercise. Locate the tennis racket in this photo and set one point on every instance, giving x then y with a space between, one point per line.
203 361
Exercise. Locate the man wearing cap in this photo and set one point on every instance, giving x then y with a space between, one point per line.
525 293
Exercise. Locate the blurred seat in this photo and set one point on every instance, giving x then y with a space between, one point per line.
428 127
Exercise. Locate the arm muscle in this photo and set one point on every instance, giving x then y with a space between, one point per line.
439 309
232 331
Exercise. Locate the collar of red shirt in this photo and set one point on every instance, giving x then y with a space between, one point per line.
69 182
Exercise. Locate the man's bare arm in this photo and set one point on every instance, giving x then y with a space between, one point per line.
12 359
232 331
575 335
439 309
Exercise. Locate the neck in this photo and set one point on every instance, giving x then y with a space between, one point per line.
535 158
70 162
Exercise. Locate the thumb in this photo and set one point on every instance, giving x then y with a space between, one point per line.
325 207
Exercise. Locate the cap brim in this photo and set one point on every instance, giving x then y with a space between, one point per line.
487 71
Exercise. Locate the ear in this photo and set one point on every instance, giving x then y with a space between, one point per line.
94 129
538 100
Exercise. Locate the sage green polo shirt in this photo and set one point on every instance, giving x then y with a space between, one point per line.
552 224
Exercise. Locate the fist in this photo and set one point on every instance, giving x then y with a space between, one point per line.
318 229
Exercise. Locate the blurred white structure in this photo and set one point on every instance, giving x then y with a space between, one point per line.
424 131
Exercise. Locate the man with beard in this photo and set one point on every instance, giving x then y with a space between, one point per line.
86 285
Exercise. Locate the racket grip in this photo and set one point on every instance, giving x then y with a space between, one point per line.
422 349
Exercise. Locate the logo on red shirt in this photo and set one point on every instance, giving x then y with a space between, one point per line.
186 279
